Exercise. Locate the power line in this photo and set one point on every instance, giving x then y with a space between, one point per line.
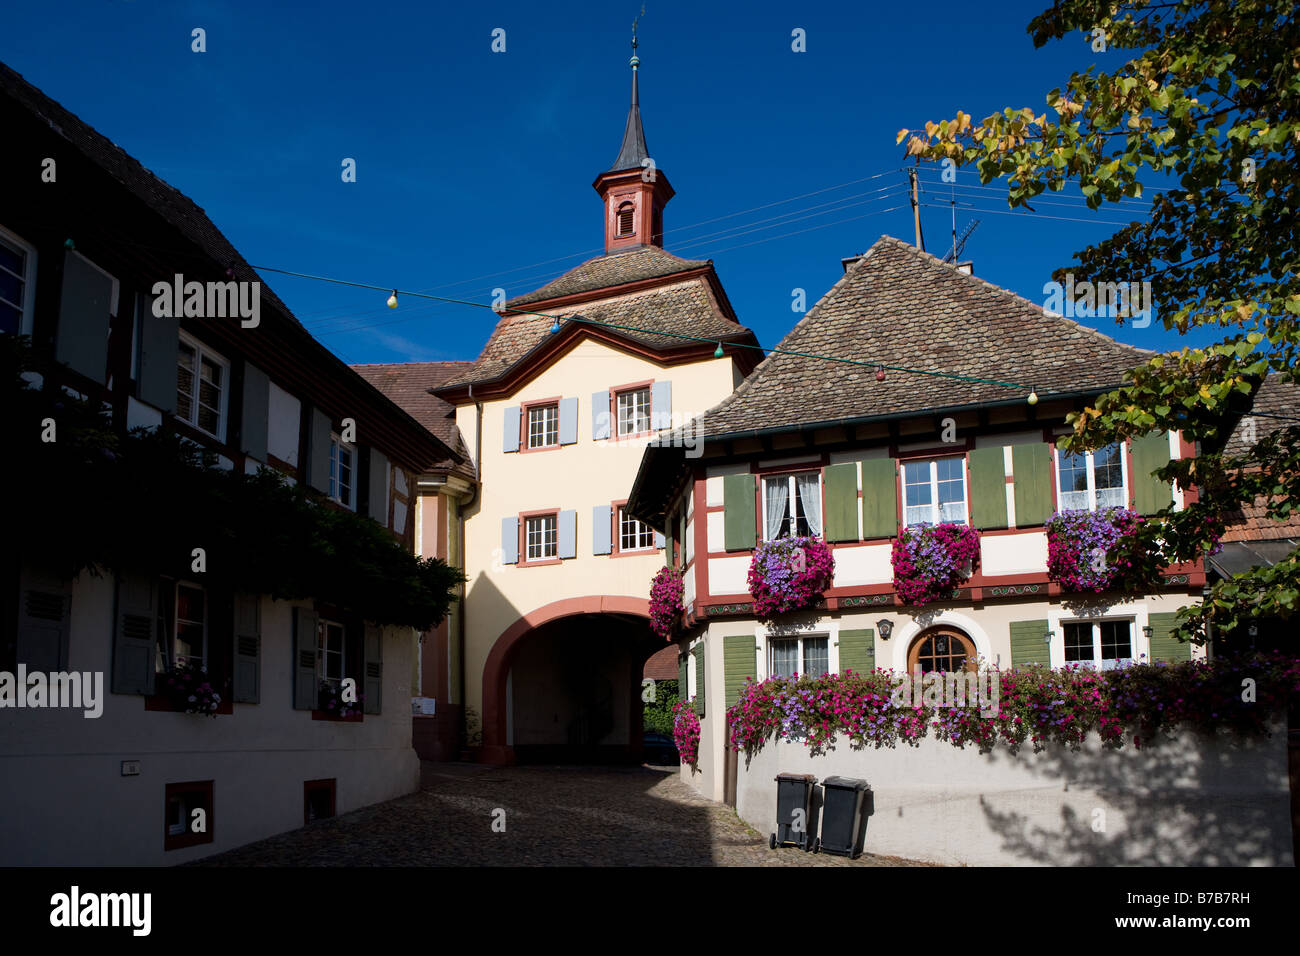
633 328
1028 215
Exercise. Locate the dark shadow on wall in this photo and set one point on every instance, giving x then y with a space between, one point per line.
1210 795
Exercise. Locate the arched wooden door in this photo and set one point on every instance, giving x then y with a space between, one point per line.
941 649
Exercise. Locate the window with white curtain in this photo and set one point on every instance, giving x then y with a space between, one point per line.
1091 481
792 505
808 656
934 491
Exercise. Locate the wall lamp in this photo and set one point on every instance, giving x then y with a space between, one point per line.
886 628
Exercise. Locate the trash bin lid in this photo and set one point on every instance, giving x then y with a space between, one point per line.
847 783
805 777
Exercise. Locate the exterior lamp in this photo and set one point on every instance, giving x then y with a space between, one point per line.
886 628
1148 631
1047 638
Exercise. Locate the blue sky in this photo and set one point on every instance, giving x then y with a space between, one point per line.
474 168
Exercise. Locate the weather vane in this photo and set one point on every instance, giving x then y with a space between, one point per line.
634 23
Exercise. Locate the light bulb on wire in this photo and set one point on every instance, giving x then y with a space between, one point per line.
1033 398
392 300
717 353
555 326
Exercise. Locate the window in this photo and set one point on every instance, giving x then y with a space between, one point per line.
934 491
543 426
188 642
318 799
807 656
625 212
330 648
941 649
632 534
342 472
1091 481
540 538
188 814
634 411
17 285
201 388
1103 644
792 505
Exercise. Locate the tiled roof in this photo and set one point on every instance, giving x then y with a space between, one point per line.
646 262
901 307
682 307
174 206
407 384
1274 397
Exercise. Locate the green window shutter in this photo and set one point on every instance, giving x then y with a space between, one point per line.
1033 483
700 682
1164 647
738 512
373 685
1027 644
681 675
841 523
988 488
879 498
248 649
305 689
1149 453
739 661
858 651
134 634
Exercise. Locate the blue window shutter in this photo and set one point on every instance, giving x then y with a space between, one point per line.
509 540
85 303
661 405
601 522
318 451
159 352
512 428
599 415
254 419
306 689
659 540
567 529
568 421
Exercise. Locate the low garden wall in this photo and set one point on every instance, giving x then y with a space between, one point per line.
1196 799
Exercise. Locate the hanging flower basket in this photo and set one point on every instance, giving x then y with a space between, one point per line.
788 574
666 593
1085 549
188 689
931 560
686 731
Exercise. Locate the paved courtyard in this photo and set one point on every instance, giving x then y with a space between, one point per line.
553 816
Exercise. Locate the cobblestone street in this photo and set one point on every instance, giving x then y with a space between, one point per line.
554 816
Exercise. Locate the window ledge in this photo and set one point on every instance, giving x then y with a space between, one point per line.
334 718
161 702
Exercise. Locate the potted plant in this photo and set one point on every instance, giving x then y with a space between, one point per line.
332 703
686 732
188 689
666 592
930 560
787 574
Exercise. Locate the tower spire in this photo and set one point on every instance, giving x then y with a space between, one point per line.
633 149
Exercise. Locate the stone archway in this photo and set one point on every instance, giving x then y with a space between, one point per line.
942 648
506 647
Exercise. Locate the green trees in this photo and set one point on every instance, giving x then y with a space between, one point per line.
1206 103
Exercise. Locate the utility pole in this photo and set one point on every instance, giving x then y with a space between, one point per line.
916 210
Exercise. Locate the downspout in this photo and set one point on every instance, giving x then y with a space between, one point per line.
460 618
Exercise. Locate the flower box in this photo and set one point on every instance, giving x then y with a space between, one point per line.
789 574
1085 549
186 688
332 706
931 560
686 731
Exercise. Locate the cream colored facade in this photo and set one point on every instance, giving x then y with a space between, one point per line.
579 476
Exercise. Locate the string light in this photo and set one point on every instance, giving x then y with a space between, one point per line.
717 353
392 300
1033 398
555 327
